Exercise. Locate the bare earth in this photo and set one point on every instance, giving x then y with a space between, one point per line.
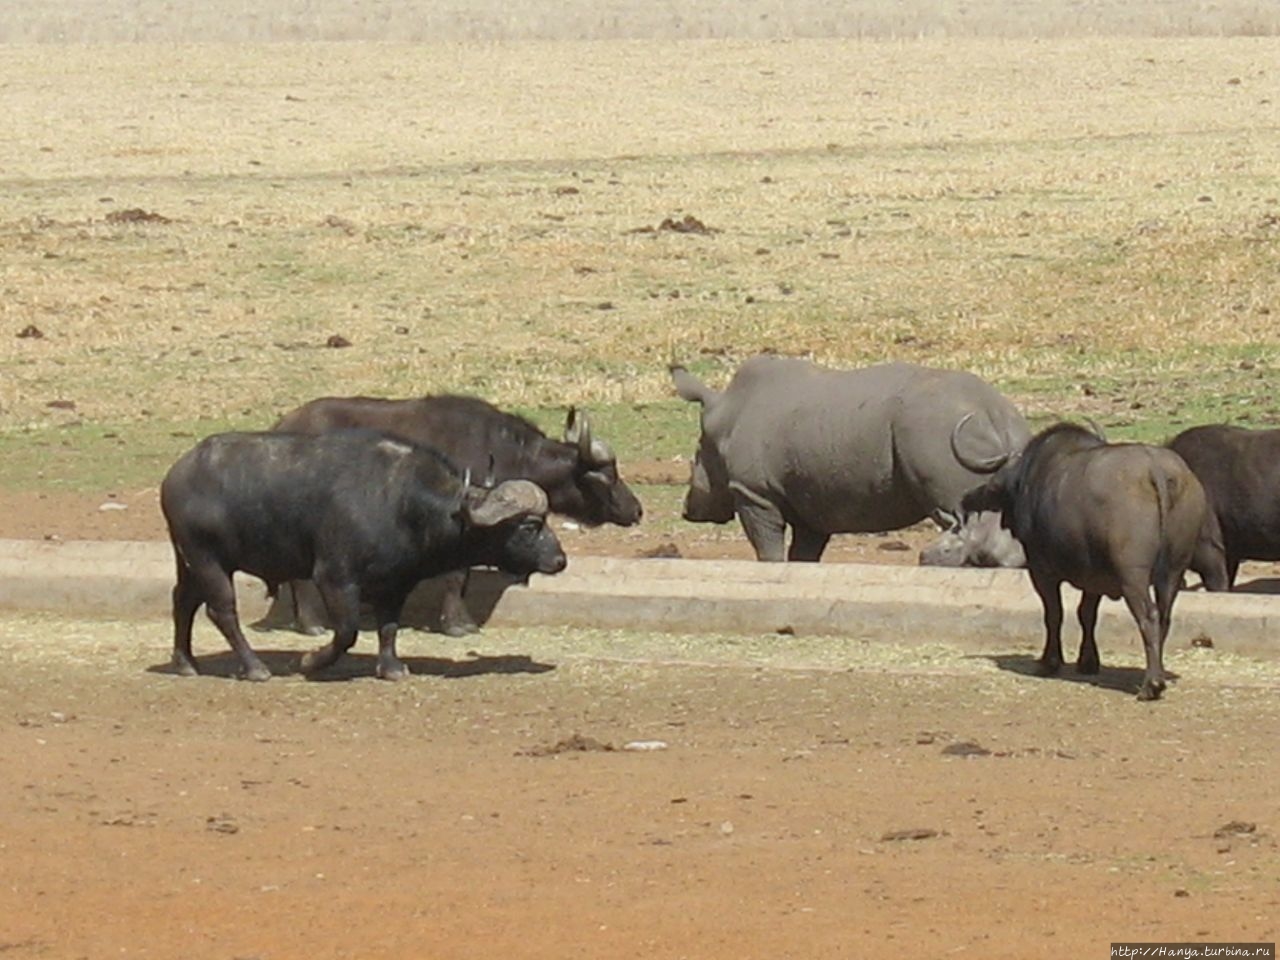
815 797
881 802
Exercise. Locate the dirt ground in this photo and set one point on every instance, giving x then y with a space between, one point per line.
813 798
810 797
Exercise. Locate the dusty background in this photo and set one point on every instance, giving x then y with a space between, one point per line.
205 229
54 21
148 815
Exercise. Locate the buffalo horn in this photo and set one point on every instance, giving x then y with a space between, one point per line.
511 498
977 465
577 431
1097 430
576 427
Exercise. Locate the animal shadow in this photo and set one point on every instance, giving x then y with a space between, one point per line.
353 666
1256 585
1118 679
1270 585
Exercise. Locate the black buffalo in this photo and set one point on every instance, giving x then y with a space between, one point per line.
365 516
1240 472
579 474
1115 520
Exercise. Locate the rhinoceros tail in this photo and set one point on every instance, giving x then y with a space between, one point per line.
690 387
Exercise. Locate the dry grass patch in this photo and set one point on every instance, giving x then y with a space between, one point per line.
487 218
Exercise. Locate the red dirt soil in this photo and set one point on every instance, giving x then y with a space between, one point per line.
898 806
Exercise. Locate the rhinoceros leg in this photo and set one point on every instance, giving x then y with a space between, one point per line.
807 544
763 524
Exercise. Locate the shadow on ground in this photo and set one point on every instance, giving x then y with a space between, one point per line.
353 666
1119 679
1269 585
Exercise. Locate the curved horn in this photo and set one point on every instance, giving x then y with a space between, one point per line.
511 498
577 432
1097 430
602 454
980 465
573 426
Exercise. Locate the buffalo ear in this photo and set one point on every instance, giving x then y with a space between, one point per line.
988 496
509 499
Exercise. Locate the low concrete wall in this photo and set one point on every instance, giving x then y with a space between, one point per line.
983 608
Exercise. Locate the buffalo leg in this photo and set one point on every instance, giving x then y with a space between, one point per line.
763 524
1166 592
1087 613
807 544
186 600
390 667
219 593
1050 592
1143 608
344 611
309 614
455 618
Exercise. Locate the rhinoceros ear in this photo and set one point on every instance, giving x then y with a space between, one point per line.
690 387
509 499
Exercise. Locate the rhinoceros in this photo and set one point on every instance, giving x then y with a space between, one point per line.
792 444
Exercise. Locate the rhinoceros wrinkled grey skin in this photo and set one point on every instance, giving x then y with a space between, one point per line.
792 444
977 540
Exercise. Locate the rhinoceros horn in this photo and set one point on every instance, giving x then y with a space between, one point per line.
577 431
976 464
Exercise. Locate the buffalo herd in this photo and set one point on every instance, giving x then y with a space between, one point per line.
347 503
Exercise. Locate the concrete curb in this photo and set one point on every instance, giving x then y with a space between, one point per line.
981 608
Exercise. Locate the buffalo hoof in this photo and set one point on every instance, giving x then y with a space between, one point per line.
254 672
459 628
315 660
1049 668
1151 690
393 670
184 667
311 629
1088 667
